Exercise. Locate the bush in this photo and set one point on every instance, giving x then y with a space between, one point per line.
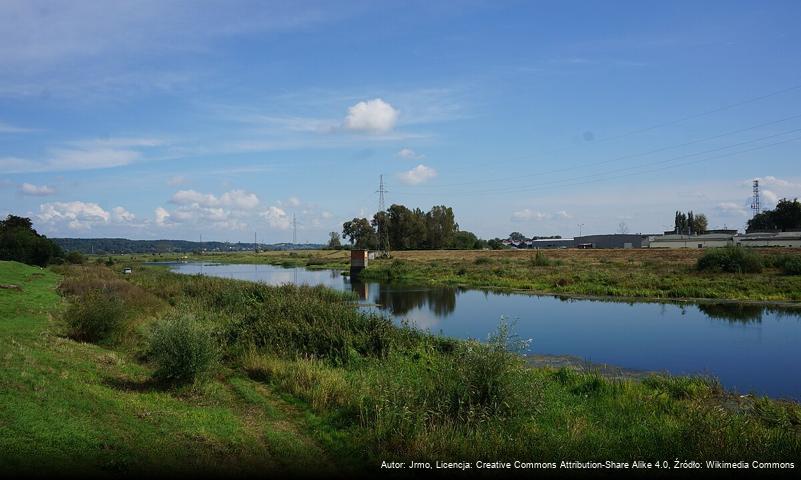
540 260
730 259
75 258
791 265
183 349
95 317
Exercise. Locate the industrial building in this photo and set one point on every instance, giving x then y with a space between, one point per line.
769 239
709 240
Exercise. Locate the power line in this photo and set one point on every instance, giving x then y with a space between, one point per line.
623 157
383 234
657 125
595 177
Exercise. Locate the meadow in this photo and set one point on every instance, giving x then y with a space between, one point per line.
636 273
196 374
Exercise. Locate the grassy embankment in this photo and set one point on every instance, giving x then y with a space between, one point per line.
640 273
304 378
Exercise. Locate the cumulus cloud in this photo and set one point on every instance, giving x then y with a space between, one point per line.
769 197
235 198
276 218
78 215
122 215
730 209
417 175
162 216
409 154
36 190
371 116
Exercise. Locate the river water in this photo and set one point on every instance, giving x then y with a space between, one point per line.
750 348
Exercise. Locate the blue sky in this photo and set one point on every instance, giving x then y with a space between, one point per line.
158 119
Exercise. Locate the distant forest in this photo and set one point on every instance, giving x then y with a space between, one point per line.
122 245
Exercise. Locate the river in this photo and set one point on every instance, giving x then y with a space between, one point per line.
749 348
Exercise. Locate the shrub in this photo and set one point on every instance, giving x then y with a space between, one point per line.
730 259
95 316
75 258
183 349
540 260
792 266
482 261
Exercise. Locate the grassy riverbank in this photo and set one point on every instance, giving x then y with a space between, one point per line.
639 273
304 381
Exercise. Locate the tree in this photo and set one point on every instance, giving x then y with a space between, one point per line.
21 243
517 237
622 228
465 240
700 224
495 244
360 233
690 223
441 227
333 241
786 216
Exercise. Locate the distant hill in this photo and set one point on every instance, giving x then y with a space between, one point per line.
123 245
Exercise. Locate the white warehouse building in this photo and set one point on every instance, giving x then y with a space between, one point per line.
710 240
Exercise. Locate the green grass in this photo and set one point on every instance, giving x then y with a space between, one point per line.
67 406
625 273
308 382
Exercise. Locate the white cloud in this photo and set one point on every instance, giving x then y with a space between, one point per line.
235 198
769 197
527 215
71 159
731 208
122 215
409 154
79 215
162 216
36 190
417 175
372 116
293 201
276 218
773 181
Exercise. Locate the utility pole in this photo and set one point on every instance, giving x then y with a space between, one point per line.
294 230
255 243
580 225
383 234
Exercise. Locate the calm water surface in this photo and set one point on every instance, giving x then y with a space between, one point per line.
749 348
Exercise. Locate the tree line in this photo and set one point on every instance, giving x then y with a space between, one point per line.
785 217
406 229
690 223
19 242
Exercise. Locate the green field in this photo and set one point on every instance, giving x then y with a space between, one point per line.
635 273
305 382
